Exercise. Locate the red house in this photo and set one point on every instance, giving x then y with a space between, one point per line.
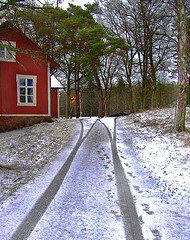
25 88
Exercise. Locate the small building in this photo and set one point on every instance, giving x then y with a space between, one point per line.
55 87
25 86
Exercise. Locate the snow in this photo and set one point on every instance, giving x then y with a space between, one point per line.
26 151
24 188
84 202
55 83
156 161
88 123
109 123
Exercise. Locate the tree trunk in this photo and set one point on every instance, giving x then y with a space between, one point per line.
128 72
77 90
132 102
152 71
101 102
182 69
101 108
180 111
68 96
145 56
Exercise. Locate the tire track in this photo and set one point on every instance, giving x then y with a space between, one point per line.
131 222
126 203
31 220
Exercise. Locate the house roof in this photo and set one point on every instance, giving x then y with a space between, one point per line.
55 83
8 25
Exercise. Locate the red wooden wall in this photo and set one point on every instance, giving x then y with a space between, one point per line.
25 65
55 103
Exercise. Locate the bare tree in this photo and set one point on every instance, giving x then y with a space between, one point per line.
145 26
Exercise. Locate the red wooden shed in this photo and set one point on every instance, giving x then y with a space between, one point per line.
25 90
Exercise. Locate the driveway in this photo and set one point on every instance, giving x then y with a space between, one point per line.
89 197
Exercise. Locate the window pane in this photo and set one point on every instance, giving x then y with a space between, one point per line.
30 82
22 91
9 54
6 51
22 82
30 91
26 90
2 52
22 99
2 55
30 99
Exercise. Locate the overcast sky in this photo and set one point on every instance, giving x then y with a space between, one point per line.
65 3
76 2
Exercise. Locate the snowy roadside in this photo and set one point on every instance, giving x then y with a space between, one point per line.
24 152
157 163
155 158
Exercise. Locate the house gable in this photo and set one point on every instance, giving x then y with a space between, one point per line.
12 34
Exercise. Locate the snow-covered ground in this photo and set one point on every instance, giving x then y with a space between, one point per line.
24 152
155 158
157 163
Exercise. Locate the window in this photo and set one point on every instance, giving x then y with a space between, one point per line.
26 90
6 51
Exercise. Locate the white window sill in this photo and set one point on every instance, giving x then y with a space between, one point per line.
27 104
7 60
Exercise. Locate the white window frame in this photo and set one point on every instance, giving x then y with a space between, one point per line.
26 87
9 55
